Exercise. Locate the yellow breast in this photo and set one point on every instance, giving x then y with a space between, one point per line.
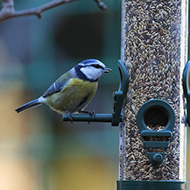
75 96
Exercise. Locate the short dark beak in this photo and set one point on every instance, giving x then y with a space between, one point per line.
107 70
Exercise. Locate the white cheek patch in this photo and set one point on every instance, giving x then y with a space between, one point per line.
92 73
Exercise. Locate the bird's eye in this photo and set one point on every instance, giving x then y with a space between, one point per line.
97 66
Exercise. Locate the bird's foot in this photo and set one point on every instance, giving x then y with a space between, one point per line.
92 114
70 116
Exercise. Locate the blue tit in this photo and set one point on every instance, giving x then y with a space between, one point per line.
73 90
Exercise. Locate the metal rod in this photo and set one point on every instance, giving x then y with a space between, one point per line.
89 118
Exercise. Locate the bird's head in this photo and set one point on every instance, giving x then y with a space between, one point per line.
91 69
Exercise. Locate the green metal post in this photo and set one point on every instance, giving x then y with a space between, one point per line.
153 134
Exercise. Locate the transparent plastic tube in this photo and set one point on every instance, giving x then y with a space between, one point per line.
154 48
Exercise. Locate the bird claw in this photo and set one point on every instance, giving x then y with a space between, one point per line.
92 114
70 116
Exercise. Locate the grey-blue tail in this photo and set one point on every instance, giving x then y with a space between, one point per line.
31 104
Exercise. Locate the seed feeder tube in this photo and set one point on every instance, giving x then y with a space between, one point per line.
153 137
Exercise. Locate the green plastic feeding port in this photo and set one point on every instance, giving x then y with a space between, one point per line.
155 120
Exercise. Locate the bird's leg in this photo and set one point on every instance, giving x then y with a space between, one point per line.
70 116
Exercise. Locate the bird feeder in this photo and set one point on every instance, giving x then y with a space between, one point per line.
153 134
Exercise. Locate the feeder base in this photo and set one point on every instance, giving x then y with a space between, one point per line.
151 185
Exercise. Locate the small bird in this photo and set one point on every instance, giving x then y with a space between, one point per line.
73 91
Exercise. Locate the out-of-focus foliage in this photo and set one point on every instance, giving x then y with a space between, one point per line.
37 149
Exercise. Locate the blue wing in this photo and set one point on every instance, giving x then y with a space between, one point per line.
54 88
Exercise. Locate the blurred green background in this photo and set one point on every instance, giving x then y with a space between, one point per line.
37 150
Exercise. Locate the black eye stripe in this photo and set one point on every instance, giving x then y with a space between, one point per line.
97 66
